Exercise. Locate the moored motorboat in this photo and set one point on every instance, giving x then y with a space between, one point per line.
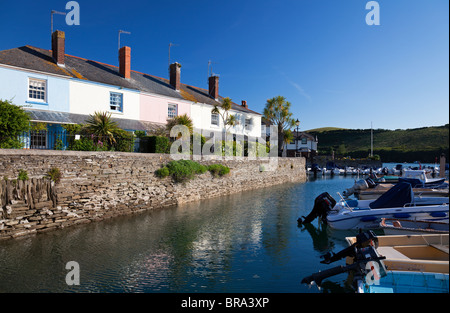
425 253
406 282
397 202
420 179
391 264
409 227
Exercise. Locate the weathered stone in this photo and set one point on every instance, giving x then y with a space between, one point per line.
100 185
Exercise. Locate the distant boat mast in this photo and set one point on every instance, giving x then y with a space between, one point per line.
371 139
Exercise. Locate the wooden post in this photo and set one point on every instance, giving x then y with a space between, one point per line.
442 166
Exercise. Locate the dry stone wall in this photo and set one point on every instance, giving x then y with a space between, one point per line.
99 185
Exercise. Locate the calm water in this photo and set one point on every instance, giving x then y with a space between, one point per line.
248 242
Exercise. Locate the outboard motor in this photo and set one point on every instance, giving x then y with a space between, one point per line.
358 186
322 205
362 252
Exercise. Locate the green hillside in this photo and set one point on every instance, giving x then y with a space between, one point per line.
418 144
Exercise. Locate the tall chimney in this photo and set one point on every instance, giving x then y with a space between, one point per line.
214 87
125 62
58 46
175 74
244 104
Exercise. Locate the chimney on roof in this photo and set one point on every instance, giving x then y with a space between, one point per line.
175 75
213 82
244 104
125 62
58 46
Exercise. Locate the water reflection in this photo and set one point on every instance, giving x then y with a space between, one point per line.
247 242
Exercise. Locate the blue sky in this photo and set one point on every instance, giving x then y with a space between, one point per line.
319 54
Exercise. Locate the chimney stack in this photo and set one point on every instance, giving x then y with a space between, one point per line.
175 74
58 46
125 62
214 87
244 104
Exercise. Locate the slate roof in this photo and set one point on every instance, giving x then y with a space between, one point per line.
41 60
72 118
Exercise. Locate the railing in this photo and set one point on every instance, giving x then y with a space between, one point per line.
62 140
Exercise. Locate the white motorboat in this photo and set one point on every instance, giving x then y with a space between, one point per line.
412 227
397 202
420 179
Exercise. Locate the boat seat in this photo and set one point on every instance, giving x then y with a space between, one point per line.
391 253
441 248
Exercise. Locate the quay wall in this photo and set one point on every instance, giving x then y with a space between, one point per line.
99 185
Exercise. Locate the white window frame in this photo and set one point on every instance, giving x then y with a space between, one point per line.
170 107
113 106
215 119
35 88
248 123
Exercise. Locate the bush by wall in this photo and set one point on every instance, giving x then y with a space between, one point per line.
155 144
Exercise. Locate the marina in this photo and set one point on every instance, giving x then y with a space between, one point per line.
246 242
410 252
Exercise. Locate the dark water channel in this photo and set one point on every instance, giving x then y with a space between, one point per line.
247 242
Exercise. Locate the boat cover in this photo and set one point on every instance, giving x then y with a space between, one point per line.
417 183
397 196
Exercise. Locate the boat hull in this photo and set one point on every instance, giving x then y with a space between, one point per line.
413 227
407 282
356 218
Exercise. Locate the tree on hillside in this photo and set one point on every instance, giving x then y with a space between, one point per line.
13 121
277 111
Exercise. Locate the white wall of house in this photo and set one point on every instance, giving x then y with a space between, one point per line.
310 144
89 97
201 117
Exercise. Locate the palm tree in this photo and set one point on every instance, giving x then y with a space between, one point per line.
228 119
180 120
101 125
288 137
277 112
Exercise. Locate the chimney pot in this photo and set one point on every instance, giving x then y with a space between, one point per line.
244 104
214 87
58 46
125 62
175 75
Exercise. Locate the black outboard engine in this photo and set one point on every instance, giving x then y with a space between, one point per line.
322 205
362 252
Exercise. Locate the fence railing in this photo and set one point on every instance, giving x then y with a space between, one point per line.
62 140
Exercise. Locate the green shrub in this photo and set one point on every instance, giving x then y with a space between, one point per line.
23 175
54 174
124 141
13 121
218 170
163 172
155 144
183 170
83 144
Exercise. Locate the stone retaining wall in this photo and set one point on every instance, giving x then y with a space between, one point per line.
99 185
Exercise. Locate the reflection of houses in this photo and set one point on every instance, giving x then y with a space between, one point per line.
57 89
304 145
